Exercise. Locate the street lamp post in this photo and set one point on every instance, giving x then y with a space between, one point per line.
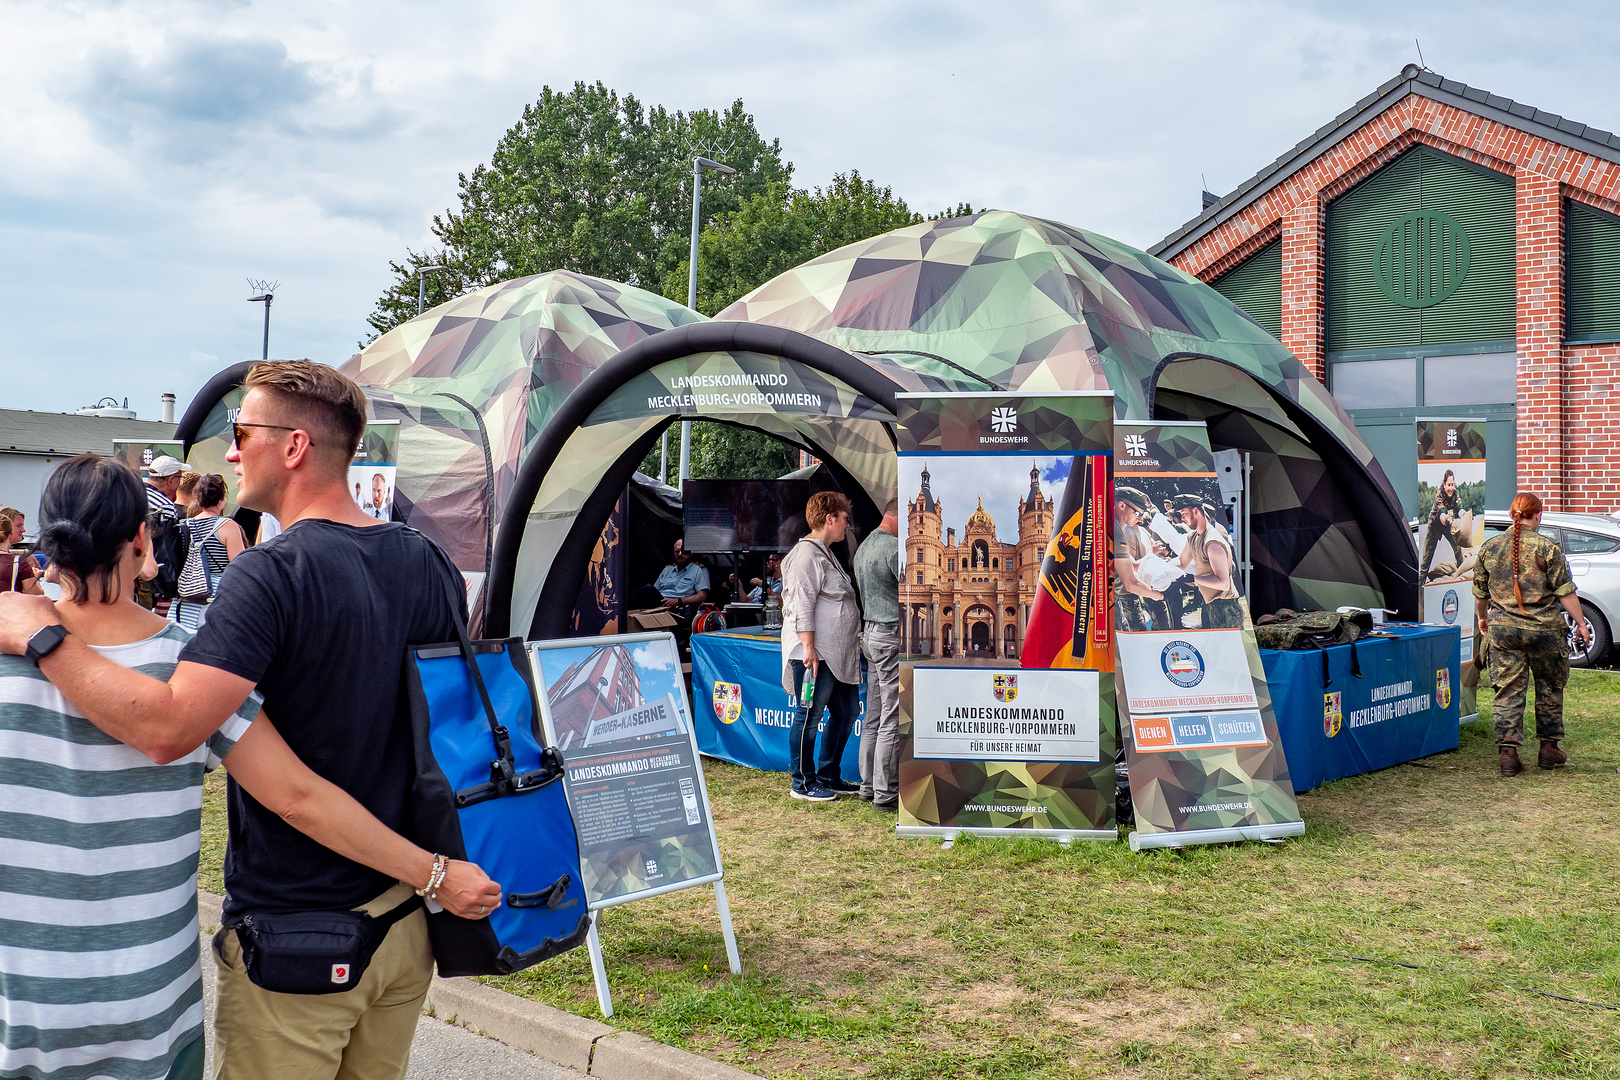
421 285
698 165
267 294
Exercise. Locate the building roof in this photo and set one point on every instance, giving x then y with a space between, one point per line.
23 431
1411 80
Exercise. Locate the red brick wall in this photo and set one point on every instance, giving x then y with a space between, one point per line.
1539 340
1564 423
1591 428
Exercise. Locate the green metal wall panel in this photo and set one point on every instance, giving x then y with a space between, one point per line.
1592 273
1256 286
1438 288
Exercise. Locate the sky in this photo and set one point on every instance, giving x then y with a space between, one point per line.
156 155
998 480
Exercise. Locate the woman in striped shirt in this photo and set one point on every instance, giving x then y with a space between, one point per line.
99 973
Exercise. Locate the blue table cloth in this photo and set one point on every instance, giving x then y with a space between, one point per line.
1404 706
742 714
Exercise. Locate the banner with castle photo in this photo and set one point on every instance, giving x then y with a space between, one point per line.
1451 530
1006 679
1202 749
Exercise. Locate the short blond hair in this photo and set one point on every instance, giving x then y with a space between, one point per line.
823 505
318 398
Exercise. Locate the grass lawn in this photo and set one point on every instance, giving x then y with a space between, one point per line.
866 955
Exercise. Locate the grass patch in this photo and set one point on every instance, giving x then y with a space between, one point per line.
865 955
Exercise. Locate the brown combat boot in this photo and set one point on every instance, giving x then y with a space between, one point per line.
1550 757
1511 765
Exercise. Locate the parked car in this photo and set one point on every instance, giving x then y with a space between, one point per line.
1591 543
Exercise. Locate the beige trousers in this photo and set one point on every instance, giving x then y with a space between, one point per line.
359 1034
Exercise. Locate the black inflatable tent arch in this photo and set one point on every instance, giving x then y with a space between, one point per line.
567 571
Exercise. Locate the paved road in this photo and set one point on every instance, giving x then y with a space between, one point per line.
441 1051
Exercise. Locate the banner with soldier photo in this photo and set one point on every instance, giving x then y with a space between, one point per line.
1007 719
1451 531
374 468
1202 749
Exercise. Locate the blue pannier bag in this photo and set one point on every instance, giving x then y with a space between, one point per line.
488 790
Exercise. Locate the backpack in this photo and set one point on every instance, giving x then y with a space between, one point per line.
171 543
1291 630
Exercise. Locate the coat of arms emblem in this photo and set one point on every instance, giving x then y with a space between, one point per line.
728 701
1442 687
1332 714
1006 687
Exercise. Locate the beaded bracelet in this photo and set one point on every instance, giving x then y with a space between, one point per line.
436 878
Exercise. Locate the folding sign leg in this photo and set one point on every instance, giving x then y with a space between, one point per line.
725 927
593 942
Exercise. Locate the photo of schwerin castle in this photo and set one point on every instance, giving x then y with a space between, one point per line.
970 599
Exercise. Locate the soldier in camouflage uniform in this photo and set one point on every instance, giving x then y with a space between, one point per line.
1447 504
1521 587
1138 603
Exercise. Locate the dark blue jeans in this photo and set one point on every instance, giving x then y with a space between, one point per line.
843 702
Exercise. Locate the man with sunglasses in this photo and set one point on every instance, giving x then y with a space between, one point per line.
297 619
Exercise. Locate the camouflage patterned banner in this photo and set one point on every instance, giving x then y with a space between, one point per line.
1201 743
1451 506
994 737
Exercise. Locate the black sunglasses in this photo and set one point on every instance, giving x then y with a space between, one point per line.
240 437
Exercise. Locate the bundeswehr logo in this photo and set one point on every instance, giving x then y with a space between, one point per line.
1006 687
728 701
1332 714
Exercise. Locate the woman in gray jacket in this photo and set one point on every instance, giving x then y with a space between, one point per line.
821 624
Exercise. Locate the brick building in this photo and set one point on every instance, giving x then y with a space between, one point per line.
1440 251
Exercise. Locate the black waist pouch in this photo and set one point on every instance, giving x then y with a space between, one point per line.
311 952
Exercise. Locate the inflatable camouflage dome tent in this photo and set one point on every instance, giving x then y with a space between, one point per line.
526 406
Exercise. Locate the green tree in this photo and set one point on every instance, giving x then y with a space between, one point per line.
590 182
781 227
726 452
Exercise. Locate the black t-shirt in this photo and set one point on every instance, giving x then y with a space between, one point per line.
320 618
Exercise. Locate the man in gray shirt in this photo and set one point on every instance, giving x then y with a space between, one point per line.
877 572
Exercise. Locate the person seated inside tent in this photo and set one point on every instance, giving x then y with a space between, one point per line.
681 586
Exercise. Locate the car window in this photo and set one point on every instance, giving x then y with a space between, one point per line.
1553 533
1493 529
1585 543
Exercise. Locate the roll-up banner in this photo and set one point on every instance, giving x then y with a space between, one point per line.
1451 512
1007 717
1205 759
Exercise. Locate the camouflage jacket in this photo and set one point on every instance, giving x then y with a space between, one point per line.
1445 508
1543 578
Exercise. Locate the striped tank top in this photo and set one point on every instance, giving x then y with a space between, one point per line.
99 973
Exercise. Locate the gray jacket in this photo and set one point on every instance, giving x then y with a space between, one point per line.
818 596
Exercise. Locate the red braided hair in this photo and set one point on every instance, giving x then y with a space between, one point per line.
1525 505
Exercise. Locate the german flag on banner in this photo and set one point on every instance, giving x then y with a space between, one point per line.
1070 581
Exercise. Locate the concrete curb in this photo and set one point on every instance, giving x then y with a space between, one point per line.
590 1047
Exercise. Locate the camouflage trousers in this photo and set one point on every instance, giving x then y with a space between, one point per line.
1226 614
1518 655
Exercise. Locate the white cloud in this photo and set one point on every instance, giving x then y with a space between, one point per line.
158 153
654 656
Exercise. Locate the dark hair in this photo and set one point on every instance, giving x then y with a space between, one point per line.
91 508
318 398
210 490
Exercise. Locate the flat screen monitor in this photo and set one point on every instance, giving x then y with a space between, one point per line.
744 515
